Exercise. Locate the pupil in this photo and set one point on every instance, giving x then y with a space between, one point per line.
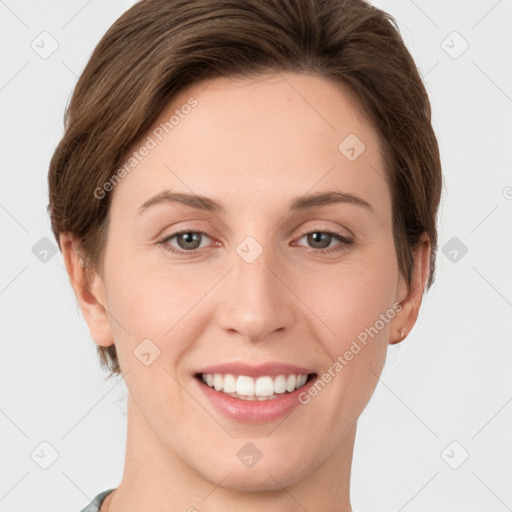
189 239
317 235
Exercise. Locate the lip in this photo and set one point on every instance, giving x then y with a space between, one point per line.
271 369
254 411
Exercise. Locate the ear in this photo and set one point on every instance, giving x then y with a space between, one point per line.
404 320
89 291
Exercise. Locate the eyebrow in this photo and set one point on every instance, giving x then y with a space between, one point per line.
298 204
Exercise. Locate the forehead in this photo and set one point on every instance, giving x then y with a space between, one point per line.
266 138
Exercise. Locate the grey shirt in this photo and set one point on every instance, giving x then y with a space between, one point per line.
95 504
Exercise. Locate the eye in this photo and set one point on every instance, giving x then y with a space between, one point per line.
187 240
190 240
321 240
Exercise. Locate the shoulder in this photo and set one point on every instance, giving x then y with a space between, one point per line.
95 504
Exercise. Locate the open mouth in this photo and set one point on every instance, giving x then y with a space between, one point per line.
260 388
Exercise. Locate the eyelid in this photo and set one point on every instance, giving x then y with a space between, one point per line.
320 229
344 241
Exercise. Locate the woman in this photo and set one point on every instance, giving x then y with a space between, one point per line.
245 197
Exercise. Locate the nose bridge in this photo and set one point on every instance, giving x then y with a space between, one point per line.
255 303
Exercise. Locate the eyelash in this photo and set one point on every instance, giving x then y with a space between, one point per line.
345 242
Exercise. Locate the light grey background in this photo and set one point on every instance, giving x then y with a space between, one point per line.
446 391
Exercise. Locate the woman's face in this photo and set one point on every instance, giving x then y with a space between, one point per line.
255 291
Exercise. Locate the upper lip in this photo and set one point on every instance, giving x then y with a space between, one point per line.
272 369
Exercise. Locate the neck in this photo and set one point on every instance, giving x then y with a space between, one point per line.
156 479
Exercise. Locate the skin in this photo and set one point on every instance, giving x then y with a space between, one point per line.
252 145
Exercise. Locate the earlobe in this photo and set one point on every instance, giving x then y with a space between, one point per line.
404 321
88 288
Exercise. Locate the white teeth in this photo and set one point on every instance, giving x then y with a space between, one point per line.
264 386
291 381
218 381
280 384
248 388
229 384
245 385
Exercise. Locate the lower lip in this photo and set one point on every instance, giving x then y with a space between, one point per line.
254 411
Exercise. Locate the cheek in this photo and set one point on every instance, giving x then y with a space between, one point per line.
355 305
351 298
154 303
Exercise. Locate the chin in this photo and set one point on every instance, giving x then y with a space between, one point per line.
265 475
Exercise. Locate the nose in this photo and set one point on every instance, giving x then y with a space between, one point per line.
255 301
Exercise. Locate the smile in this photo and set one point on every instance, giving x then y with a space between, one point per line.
264 387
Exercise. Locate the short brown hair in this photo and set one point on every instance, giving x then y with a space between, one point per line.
159 47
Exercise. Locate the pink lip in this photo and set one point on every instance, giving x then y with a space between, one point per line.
270 369
254 411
